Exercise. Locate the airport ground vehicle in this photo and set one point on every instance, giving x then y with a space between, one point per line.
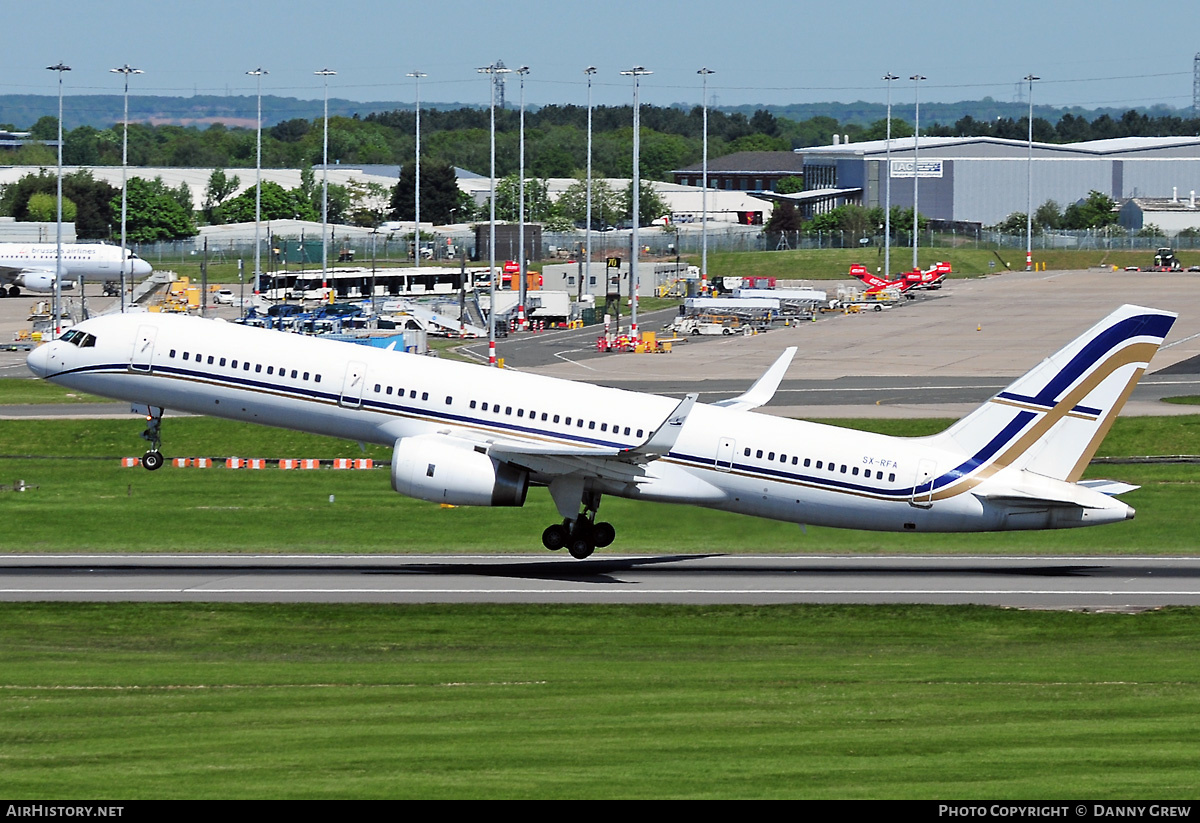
698 324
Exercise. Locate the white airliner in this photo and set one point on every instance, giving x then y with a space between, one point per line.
31 266
469 435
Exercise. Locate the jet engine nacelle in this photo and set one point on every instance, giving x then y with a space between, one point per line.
39 282
444 470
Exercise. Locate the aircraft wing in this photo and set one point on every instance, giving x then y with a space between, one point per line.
9 272
610 463
764 388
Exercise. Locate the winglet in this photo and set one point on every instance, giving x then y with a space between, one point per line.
764 388
664 437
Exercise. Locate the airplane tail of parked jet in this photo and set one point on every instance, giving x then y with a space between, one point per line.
1050 422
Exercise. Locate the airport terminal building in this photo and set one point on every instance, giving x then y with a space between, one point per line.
983 180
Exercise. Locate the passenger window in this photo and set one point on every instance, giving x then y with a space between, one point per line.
520 412
270 369
258 367
591 424
758 453
818 464
603 427
210 360
378 388
222 362
472 404
186 354
172 354
293 374
306 375
892 477
449 399
556 418
855 471
424 395
771 456
508 410
389 389
747 453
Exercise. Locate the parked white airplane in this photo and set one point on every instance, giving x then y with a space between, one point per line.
31 266
468 435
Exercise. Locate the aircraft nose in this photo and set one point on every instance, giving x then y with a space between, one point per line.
142 268
38 360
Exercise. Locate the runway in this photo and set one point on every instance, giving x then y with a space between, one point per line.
1092 583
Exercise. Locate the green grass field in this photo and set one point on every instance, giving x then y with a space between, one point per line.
128 701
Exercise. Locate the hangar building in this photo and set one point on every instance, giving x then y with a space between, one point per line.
984 179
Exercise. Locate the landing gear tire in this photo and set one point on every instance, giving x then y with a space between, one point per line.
603 534
555 537
152 460
582 547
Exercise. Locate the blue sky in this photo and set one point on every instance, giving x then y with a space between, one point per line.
1092 54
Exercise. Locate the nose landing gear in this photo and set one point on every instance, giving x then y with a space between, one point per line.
152 459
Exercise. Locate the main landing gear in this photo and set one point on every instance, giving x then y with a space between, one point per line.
153 458
581 534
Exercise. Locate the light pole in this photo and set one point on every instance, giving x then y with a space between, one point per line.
916 78
887 208
521 321
325 74
587 232
257 74
635 195
492 70
704 73
1029 78
58 272
416 75
125 70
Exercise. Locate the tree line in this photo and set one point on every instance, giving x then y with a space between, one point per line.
556 138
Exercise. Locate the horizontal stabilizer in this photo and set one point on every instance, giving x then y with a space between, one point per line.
1109 487
764 388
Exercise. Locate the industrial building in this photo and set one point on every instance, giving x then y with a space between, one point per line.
983 180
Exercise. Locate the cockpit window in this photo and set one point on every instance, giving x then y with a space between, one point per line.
79 338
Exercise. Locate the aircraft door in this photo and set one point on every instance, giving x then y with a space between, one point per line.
725 450
922 493
143 349
352 385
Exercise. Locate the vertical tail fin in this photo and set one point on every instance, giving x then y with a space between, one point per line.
1052 420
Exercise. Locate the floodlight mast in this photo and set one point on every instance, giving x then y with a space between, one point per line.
916 78
325 74
887 209
493 70
522 322
416 75
1029 78
58 273
637 72
704 73
125 70
257 74
587 263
